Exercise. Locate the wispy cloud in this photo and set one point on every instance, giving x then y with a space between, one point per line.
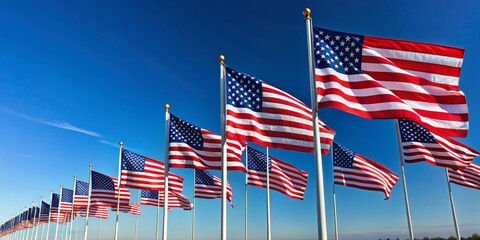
57 124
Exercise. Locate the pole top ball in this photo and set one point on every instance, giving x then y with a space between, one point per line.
306 12
167 106
221 58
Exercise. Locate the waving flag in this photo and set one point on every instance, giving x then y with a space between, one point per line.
284 177
421 145
132 208
175 200
353 170
66 201
54 215
145 173
95 212
105 191
209 186
468 177
81 196
383 78
193 147
44 213
260 113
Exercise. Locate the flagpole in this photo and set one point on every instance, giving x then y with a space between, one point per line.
66 225
118 185
321 216
457 230
193 210
24 230
73 203
246 192
38 219
49 213
269 227
99 227
404 183
334 202
34 219
136 216
221 58
58 211
85 232
28 222
158 215
165 188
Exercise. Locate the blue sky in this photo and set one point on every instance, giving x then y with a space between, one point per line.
77 77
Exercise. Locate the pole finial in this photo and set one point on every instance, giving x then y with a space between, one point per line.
306 12
121 143
90 165
221 58
61 185
167 106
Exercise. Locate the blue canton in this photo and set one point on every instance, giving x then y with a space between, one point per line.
342 157
204 177
257 161
55 199
244 91
150 194
413 132
67 195
100 181
132 161
182 131
45 208
339 51
81 188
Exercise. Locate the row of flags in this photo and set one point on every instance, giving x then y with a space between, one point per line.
416 84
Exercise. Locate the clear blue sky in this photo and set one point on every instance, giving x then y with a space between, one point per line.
77 77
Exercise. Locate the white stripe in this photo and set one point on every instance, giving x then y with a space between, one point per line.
414 56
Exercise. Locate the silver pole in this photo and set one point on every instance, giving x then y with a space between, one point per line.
195 206
85 232
221 58
28 223
457 230
158 215
118 194
66 229
43 230
99 228
49 214
165 190
58 211
73 203
334 202
404 183
38 219
136 216
246 193
269 227
321 216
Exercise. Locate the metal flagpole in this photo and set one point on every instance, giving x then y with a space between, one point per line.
321 216
457 230
158 215
38 219
58 211
269 227
165 189
99 227
404 183
221 58
118 190
35 218
136 216
28 222
85 232
67 227
49 214
246 192
193 210
23 232
334 202
73 203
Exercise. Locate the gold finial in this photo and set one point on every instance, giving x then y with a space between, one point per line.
306 12
75 176
167 106
90 165
121 143
221 58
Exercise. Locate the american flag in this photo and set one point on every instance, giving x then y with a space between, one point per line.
45 212
353 170
209 186
81 195
283 176
260 113
33 214
419 144
468 177
105 191
95 212
132 208
175 200
145 173
66 201
384 78
194 147
54 216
